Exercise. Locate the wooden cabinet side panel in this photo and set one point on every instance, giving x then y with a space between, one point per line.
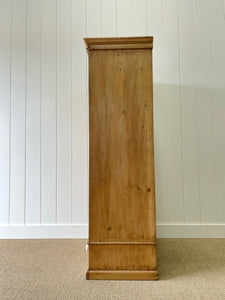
121 160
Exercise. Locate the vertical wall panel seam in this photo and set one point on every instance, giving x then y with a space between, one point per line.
116 18
196 105
163 59
10 111
25 169
101 17
71 111
180 106
224 9
56 98
213 109
87 105
41 20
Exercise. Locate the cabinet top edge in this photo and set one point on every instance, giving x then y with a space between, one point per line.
140 42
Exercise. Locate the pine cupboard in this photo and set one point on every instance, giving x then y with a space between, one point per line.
122 230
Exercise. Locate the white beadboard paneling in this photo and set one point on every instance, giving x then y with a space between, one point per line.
44 112
173 113
188 113
139 17
205 112
79 115
124 17
94 18
109 17
64 112
217 37
155 28
48 113
33 111
18 117
94 29
5 69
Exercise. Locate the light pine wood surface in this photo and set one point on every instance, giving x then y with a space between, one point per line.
122 232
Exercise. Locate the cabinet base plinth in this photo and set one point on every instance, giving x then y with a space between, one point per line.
122 275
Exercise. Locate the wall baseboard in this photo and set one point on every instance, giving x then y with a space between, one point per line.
80 231
76 231
191 231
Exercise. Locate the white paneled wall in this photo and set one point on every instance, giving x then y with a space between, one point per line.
44 112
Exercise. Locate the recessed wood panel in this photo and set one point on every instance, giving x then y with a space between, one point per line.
122 257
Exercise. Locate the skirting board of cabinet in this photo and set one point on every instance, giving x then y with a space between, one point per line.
122 275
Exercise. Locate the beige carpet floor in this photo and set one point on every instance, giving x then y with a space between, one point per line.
55 269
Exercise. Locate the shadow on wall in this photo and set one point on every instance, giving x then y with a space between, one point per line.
189 141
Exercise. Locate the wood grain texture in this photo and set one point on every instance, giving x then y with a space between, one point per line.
64 112
122 257
48 114
18 114
121 159
123 275
33 112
